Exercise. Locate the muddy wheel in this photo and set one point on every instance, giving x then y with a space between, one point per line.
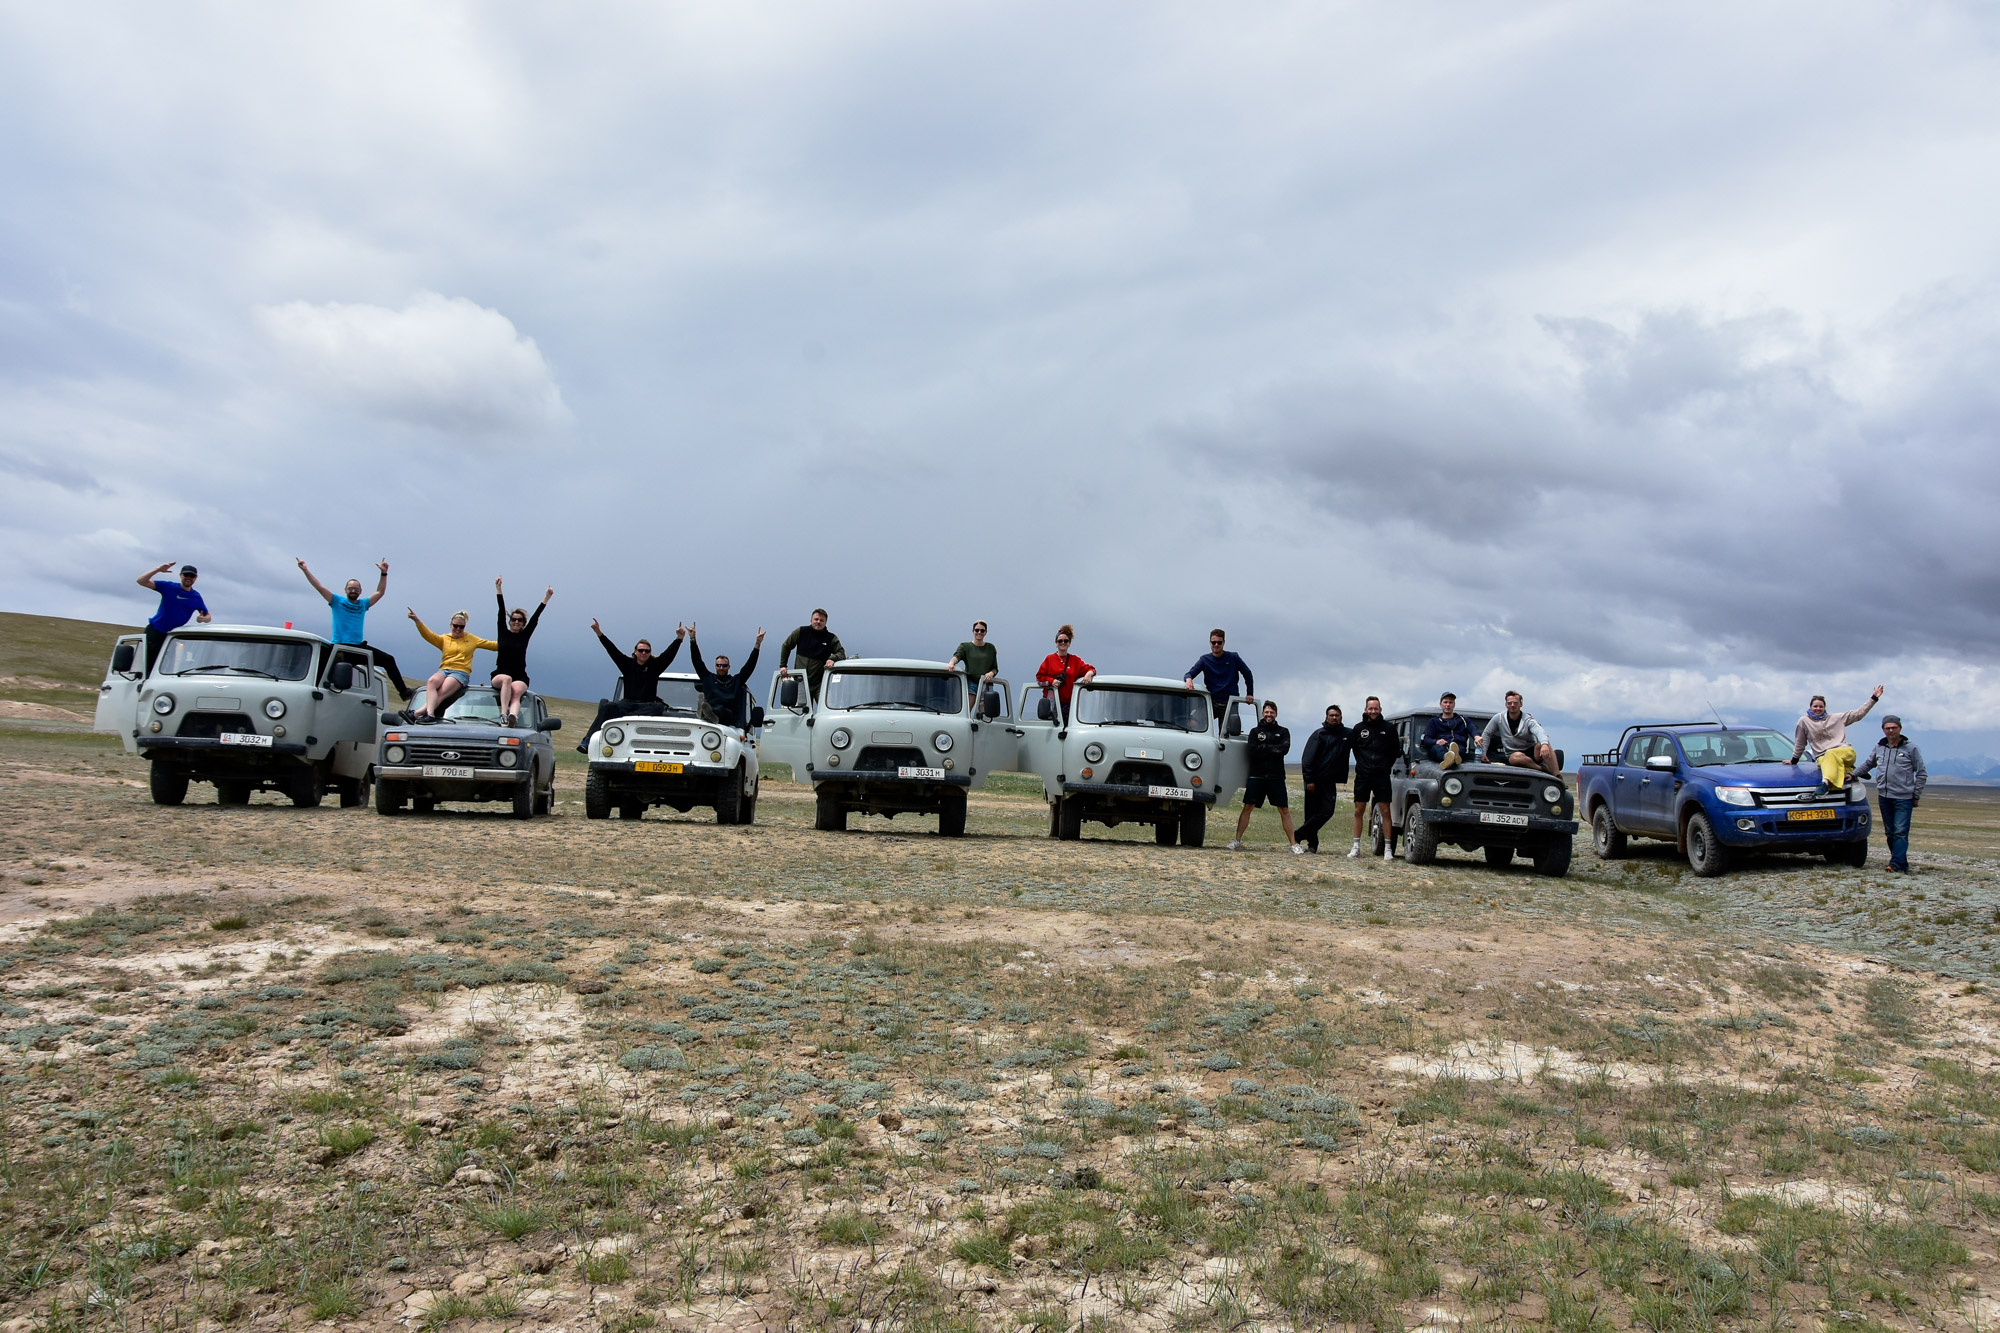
951 818
828 814
307 787
1420 844
169 785
545 799
1605 839
1707 856
729 806
1499 857
1194 825
524 799
232 793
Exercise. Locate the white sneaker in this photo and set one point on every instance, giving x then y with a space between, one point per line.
1355 850
1235 844
1388 852
1298 849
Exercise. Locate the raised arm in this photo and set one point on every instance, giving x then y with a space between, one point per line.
623 663
318 587
381 584
500 600
750 663
694 655
1249 680
1857 714
535 616
425 630
145 580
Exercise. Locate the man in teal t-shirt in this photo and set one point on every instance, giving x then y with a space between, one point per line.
350 612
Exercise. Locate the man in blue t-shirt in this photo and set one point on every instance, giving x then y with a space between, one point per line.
350 610
1217 670
179 603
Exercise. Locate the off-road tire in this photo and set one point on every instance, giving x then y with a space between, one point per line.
1167 832
829 816
1420 844
389 797
168 785
1499 856
424 805
524 798
545 799
1194 825
1055 817
1848 854
353 791
1069 818
729 807
596 797
1707 857
951 815
1552 858
1605 837
306 788
1376 833
234 791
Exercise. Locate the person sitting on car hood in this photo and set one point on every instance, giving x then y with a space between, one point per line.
1447 737
727 694
641 673
1518 739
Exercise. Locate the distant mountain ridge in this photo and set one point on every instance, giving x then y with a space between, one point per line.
1983 768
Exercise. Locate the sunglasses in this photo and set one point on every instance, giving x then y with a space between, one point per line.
1062 640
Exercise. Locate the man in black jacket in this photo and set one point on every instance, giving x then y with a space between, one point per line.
727 694
1376 746
1269 744
817 646
641 673
1324 767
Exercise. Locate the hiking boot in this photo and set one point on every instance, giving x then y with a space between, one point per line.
1451 757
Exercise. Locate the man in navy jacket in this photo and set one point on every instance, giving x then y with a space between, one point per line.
1447 737
1217 670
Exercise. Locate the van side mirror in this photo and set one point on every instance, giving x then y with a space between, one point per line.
1045 709
1659 763
121 657
1560 765
989 704
549 724
757 717
788 693
342 676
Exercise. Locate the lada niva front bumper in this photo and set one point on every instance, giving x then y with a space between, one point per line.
473 784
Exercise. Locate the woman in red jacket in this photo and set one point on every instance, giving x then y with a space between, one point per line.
1064 670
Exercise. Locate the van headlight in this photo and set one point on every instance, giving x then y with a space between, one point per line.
395 754
1553 795
1191 760
509 758
1093 752
274 708
614 735
711 740
841 738
941 742
1735 796
163 704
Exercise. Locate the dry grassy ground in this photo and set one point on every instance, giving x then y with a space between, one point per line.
262 1067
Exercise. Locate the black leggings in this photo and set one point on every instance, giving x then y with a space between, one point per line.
154 638
388 665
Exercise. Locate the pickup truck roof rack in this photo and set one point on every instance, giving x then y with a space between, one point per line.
1626 734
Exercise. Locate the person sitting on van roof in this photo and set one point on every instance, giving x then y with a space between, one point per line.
1063 669
817 647
640 673
727 694
179 603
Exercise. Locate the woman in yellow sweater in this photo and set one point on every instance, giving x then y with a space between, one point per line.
454 673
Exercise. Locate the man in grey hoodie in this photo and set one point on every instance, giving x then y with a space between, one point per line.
1898 766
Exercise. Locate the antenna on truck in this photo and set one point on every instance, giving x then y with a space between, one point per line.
1718 717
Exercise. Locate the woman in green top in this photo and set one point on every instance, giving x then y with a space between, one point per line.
979 658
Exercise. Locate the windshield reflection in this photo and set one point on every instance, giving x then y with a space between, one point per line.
284 659
1177 710
928 692
1710 748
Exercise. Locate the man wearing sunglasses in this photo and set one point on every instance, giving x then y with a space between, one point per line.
1217 670
641 673
350 612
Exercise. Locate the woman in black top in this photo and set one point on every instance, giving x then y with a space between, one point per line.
510 664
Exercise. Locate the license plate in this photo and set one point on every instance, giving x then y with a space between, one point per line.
936 774
1824 812
250 738
446 771
1512 821
1171 793
648 766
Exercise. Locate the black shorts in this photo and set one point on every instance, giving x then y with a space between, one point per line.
1371 787
1257 790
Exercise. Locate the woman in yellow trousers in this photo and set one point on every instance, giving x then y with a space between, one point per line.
1825 734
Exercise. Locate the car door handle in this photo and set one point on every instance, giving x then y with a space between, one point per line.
1015 731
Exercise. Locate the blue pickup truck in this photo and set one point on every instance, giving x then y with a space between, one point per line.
1715 792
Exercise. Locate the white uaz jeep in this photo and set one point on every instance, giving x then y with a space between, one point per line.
675 754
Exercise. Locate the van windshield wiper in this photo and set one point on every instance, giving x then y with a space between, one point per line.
898 703
224 666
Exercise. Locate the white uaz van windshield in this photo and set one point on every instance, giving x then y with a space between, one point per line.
1113 706
917 692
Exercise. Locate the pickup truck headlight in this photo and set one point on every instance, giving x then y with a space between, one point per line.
395 754
1553 795
1453 786
163 704
1191 761
841 738
509 758
614 735
274 708
1735 796
1857 795
1093 753
711 740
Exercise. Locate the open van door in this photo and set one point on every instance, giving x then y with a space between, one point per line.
1037 718
1233 727
118 696
995 746
787 734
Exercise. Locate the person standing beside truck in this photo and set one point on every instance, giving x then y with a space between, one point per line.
510 664
1520 740
454 674
1217 670
639 672
1064 670
1324 768
817 647
1898 766
1447 737
350 613
1269 744
1376 748
980 659
1825 734
727 694
179 603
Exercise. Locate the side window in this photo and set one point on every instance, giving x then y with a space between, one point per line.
1638 749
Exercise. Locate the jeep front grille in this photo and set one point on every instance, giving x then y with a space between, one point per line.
656 729
1132 773
1495 792
211 725
445 752
655 750
888 758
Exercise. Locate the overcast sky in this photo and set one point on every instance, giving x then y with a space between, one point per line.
1641 356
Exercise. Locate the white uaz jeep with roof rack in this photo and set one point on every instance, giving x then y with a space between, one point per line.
674 753
248 708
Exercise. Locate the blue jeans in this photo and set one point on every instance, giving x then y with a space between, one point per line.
1896 813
